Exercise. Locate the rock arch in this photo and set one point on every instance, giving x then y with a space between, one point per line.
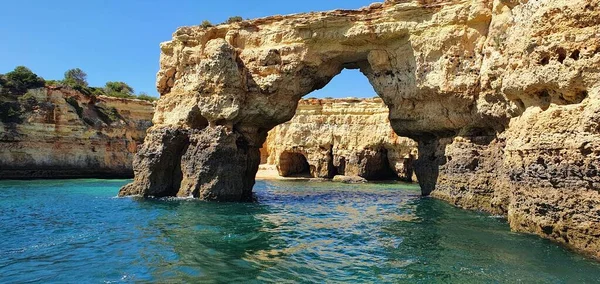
246 78
497 118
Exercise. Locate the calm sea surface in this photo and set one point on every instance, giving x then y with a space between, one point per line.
78 232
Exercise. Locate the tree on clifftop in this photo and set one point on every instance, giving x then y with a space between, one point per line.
119 89
18 81
75 77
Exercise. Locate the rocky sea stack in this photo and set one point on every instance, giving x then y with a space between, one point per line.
502 98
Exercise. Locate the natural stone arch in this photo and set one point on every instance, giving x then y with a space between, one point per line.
246 78
484 105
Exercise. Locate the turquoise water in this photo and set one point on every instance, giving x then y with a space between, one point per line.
77 231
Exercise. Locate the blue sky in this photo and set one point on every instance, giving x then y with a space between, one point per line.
118 40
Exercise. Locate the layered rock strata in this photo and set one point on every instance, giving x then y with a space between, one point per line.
60 133
501 96
329 137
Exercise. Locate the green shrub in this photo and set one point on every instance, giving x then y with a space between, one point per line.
10 112
20 80
97 91
119 90
119 95
206 24
145 97
235 19
108 115
2 83
83 89
53 82
28 101
75 77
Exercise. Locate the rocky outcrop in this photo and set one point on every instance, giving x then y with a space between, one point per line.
329 137
61 133
501 97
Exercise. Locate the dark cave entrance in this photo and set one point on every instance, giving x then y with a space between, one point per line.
375 166
293 164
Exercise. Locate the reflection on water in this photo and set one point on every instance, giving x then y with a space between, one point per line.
76 231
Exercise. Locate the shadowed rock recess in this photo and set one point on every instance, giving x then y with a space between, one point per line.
501 97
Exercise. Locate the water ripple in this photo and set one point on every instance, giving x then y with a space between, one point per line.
76 231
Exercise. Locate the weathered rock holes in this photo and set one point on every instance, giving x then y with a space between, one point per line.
575 54
545 60
520 104
272 57
544 99
195 119
562 54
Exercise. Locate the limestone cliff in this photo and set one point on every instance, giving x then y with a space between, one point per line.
60 133
331 137
502 97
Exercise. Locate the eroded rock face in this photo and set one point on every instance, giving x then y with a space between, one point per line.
501 97
60 133
350 137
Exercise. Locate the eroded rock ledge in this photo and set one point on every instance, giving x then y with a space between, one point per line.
501 96
329 137
58 132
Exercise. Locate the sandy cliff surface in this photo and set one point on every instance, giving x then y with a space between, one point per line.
502 97
60 133
329 137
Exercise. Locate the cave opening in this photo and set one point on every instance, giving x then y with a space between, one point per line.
293 164
376 166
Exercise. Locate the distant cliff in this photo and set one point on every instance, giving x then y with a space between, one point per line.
329 137
56 132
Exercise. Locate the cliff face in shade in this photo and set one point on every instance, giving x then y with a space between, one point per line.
60 133
501 96
350 137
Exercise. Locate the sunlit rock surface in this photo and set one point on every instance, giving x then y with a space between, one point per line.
62 133
329 137
501 96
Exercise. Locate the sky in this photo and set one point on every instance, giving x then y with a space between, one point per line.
118 40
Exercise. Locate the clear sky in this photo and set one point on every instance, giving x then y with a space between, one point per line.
118 40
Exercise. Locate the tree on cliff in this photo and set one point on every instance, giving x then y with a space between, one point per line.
75 77
18 81
119 89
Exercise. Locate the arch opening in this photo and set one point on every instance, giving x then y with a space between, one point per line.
349 83
344 127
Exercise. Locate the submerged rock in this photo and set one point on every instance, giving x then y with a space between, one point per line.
349 179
